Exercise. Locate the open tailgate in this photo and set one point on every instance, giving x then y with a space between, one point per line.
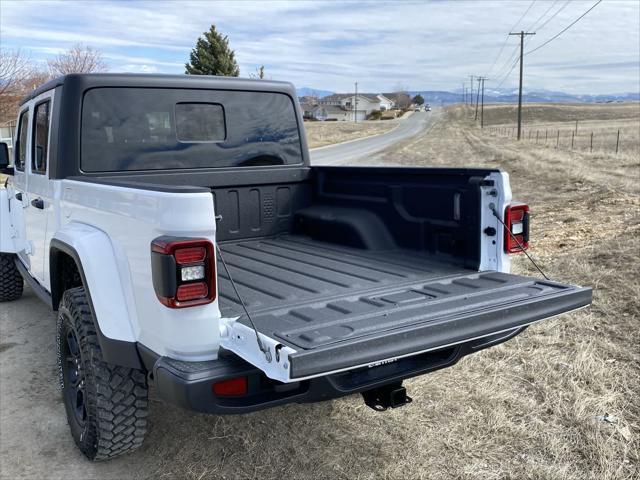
321 338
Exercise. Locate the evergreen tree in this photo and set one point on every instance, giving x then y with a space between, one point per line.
418 100
212 56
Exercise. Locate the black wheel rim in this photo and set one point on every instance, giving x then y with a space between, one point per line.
74 378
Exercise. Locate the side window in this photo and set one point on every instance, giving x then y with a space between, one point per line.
40 138
21 141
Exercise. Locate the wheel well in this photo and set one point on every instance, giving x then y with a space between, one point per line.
65 274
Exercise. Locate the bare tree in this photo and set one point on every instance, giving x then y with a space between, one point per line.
79 59
314 98
35 78
19 74
259 73
15 68
402 99
401 96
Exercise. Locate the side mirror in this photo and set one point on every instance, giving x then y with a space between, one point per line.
4 159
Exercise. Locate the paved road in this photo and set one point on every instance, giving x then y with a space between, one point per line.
364 147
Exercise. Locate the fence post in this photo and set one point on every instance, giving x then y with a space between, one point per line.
576 127
558 140
545 137
591 145
617 141
572 135
537 137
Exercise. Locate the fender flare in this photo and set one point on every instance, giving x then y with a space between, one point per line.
93 254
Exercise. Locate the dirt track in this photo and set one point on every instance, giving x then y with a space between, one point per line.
526 409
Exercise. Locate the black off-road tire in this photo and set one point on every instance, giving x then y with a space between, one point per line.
11 282
107 405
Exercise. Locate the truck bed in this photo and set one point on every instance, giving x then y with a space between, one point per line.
339 306
289 270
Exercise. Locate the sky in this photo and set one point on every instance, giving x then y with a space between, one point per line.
330 44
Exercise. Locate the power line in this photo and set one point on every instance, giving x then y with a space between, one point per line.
555 14
499 53
565 29
507 36
513 59
515 62
533 26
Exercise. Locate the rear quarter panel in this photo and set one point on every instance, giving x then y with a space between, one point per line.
131 218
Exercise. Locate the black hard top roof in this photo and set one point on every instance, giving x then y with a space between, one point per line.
91 80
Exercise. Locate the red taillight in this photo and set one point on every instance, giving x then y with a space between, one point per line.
190 255
233 387
516 219
192 291
183 271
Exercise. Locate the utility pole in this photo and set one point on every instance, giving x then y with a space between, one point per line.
463 93
477 97
482 108
471 91
522 34
355 105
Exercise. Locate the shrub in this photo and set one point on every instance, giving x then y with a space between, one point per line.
375 115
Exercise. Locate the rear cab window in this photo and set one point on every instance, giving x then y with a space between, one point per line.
40 151
138 129
200 122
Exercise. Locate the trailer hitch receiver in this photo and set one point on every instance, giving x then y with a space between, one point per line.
381 398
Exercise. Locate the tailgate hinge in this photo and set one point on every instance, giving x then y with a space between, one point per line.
241 340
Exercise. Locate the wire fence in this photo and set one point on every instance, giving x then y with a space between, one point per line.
610 141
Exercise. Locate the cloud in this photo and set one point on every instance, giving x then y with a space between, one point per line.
329 45
137 68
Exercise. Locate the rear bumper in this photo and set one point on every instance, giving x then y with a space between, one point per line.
189 384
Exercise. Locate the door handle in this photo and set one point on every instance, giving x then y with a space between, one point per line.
38 203
18 196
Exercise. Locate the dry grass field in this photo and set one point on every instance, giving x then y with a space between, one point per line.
320 134
534 407
544 122
561 401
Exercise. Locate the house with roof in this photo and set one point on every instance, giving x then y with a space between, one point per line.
350 107
385 102
332 112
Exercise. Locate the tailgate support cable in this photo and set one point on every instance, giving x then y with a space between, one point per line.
263 349
497 215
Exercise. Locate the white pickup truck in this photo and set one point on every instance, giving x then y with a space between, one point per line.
176 226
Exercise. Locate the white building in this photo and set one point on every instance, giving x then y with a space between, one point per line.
385 103
348 105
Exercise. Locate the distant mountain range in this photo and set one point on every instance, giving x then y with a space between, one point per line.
304 91
436 97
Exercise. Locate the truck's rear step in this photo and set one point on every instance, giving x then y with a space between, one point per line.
339 307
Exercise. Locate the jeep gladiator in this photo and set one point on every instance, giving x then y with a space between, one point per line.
176 227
